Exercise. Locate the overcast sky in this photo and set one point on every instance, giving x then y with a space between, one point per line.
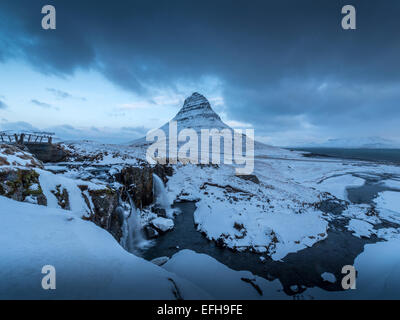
114 69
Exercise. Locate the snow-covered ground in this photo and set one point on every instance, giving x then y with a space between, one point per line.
243 214
289 205
90 264
389 200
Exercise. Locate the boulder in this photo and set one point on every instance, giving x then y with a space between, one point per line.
104 210
138 181
21 185
150 232
163 224
160 261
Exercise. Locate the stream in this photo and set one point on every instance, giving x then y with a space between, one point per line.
297 271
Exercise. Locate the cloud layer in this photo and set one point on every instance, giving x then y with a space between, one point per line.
284 66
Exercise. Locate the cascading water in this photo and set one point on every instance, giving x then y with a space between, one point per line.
161 194
132 239
135 235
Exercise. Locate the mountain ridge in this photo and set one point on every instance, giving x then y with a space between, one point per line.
196 113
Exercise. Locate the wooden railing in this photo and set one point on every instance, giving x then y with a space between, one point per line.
26 137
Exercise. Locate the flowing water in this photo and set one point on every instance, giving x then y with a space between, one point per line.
133 239
161 195
297 271
302 269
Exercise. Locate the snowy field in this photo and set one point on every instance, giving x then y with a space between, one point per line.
278 214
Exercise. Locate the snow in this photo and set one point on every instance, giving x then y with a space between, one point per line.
245 215
361 228
14 157
337 185
220 281
49 183
89 263
281 233
330 277
392 183
163 224
378 274
276 217
160 260
389 200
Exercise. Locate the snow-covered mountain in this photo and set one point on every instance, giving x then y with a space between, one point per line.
368 142
196 113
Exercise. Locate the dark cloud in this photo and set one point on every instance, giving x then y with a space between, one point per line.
41 104
283 64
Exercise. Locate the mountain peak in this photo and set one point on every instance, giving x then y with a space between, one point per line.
196 113
195 106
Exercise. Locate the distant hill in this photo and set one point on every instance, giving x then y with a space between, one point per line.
367 143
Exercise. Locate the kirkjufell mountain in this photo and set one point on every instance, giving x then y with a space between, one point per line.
196 113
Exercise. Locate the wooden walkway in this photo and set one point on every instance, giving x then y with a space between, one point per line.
26 137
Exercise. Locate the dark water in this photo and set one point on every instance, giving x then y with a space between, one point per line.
376 155
303 268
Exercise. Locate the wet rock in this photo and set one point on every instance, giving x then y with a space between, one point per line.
18 156
62 197
150 232
249 177
163 171
47 152
161 212
138 181
21 185
163 224
334 206
104 211
160 261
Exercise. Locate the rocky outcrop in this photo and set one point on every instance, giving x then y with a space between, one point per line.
62 197
249 177
103 206
21 185
11 155
138 181
47 152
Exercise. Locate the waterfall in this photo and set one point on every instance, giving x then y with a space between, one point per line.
161 195
135 235
132 235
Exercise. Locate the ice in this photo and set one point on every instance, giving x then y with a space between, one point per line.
89 263
389 200
361 228
330 277
220 281
163 224
337 185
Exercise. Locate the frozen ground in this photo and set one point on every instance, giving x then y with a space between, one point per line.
90 264
282 214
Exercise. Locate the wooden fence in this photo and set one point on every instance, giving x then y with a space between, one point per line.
26 138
